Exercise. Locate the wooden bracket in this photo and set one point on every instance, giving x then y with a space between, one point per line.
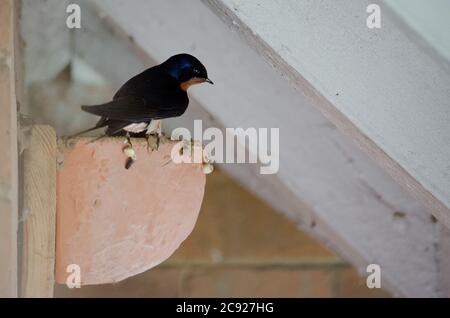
39 213
113 223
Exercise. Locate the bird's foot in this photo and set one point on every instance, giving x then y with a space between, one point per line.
207 162
153 141
129 151
155 130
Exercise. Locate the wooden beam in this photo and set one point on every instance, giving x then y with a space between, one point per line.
362 83
39 213
8 153
325 182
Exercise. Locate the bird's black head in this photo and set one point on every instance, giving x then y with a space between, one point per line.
186 69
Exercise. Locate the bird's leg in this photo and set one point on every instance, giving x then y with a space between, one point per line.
150 144
158 130
98 138
129 139
129 152
154 129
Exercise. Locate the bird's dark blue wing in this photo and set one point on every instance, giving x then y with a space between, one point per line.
131 109
149 95
125 108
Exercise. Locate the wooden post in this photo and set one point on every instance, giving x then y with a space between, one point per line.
8 151
39 213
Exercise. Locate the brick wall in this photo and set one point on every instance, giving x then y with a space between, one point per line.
241 248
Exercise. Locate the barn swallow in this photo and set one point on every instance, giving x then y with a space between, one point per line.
157 93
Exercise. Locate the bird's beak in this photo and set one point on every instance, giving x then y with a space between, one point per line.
207 80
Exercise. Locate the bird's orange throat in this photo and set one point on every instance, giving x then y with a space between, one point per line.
196 80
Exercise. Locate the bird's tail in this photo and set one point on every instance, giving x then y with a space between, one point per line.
100 124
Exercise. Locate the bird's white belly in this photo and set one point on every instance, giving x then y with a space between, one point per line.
136 127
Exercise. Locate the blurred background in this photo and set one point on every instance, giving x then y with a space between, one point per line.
228 254
310 230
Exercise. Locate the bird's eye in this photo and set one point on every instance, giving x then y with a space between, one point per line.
196 71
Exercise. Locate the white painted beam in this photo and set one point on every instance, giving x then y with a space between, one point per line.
375 84
325 182
427 23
